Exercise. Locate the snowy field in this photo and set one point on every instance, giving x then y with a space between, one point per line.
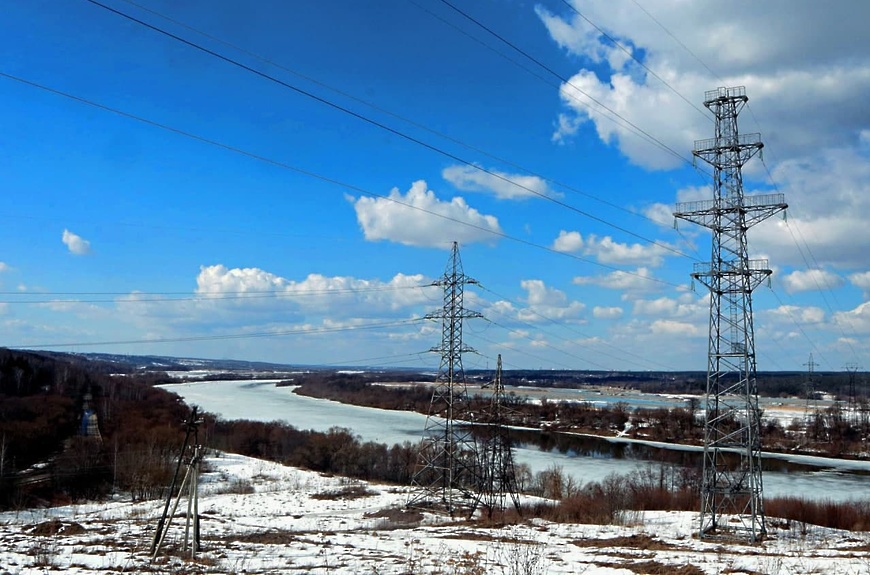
260 517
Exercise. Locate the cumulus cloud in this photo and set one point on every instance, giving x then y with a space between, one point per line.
4 267
639 280
806 68
602 312
808 85
856 320
419 218
797 314
547 303
76 244
811 280
861 280
503 185
683 306
254 286
608 251
672 327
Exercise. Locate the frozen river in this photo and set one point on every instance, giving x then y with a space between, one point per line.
262 401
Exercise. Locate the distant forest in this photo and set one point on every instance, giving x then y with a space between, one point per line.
47 458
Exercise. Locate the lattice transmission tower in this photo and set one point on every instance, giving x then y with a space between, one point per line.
447 475
852 370
498 478
731 483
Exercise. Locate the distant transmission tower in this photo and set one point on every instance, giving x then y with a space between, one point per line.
812 406
447 477
732 420
812 424
852 370
498 477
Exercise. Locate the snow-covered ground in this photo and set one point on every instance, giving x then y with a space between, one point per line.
260 517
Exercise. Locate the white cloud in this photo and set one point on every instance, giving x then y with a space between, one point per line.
4 267
809 86
76 244
683 306
570 242
661 214
503 185
861 280
856 320
639 280
811 280
608 251
671 327
797 314
419 218
315 292
601 312
546 303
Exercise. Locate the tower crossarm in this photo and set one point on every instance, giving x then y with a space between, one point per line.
716 214
755 272
724 152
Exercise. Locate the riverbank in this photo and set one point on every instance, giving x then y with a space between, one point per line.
263 401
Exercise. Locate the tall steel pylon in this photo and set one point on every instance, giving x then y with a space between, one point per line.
447 476
498 476
732 422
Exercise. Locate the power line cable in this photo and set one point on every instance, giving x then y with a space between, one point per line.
578 332
381 125
405 119
567 82
321 177
677 40
204 297
776 188
787 310
522 351
636 59
277 333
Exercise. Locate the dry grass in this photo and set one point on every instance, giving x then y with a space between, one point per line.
848 515
640 541
654 568
347 492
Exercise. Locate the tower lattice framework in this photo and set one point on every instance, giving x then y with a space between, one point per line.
498 477
447 475
732 478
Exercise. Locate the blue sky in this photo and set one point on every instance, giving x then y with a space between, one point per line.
247 219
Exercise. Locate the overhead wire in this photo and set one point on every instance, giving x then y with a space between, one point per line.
773 182
239 296
571 328
380 125
323 178
400 117
633 127
573 97
133 297
252 335
640 62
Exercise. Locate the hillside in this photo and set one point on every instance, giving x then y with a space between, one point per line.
259 517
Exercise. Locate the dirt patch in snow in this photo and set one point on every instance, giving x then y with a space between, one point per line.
349 492
639 541
396 517
56 527
654 568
